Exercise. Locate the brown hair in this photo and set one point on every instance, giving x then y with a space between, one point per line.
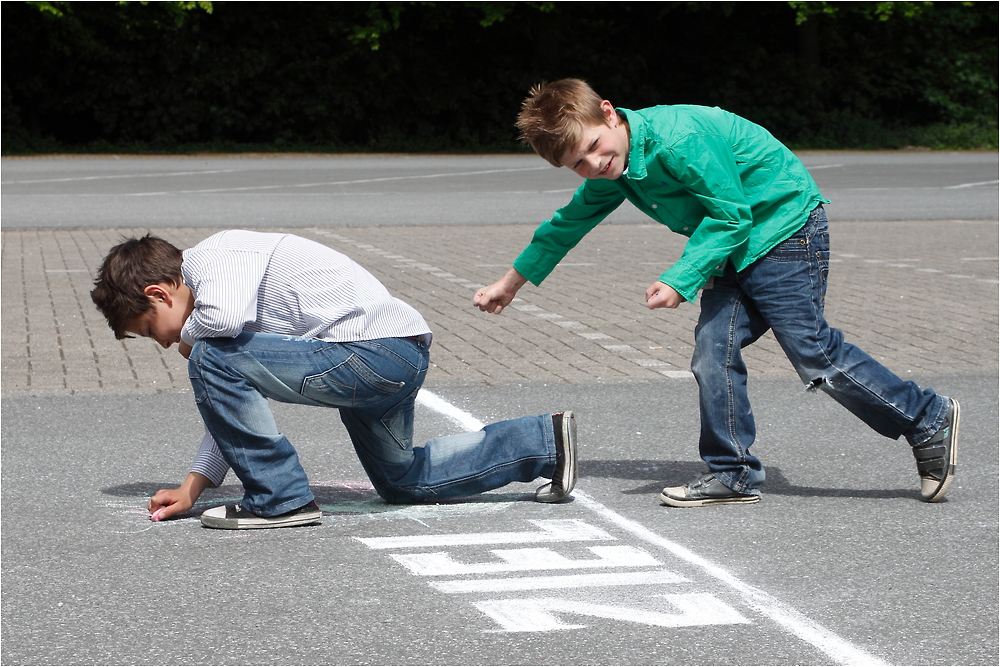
129 268
554 115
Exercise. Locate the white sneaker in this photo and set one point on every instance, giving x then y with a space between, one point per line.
564 477
234 517
936 457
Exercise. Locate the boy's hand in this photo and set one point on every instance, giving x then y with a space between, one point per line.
496 297
659 295
166 503
184 349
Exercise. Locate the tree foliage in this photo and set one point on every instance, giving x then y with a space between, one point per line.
450 76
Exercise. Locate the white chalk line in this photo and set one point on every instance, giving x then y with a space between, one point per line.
796 623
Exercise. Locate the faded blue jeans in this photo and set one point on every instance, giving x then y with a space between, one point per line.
374 384
784 292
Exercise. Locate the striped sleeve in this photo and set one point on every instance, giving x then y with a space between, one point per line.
224 283
209 461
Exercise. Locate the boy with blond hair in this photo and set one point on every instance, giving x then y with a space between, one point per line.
757 249
275 316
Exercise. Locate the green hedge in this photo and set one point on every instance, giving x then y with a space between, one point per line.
343 76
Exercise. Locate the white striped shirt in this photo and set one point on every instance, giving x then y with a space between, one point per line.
284 284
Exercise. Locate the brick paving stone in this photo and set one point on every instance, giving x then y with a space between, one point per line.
921 297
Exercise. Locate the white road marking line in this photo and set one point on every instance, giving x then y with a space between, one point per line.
119 176
903 264
568 530
838 649
572 581
441 563
438 404
292 186
795 622
969 185
542 614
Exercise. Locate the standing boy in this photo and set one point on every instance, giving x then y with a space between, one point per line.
758 248
277 316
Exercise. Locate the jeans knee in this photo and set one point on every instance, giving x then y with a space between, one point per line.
707 361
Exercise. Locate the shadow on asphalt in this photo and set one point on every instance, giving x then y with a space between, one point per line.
346 498
673 473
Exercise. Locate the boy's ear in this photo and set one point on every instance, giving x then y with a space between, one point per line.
610 115
158 293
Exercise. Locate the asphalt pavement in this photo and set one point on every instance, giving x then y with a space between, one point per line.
840 563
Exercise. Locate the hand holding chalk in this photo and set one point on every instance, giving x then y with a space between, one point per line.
178 500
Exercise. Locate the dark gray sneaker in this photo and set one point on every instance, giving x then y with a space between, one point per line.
234 517
936 457
564 477
704 490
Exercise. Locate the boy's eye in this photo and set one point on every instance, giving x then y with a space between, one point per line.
593 147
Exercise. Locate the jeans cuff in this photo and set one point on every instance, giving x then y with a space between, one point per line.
922 436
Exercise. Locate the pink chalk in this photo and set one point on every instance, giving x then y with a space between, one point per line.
156 514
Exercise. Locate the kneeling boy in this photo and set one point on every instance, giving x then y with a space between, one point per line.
277 316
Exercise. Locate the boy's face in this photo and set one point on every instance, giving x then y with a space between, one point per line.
170 311
602 151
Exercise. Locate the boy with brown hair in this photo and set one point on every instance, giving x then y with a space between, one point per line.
277 316
758 249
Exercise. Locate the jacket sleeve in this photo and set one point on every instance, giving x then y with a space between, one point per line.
706 167
592 202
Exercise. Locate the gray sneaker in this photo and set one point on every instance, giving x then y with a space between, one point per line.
564 477
936 457
234 517
704 490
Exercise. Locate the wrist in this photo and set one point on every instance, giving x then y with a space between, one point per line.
194 484
514 279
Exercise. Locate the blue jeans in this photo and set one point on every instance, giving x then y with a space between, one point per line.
374 384
784 292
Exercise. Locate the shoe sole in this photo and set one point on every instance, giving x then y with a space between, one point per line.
702 502
949 477
261 523
544 494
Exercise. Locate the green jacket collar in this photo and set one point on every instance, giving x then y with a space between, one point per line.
637 142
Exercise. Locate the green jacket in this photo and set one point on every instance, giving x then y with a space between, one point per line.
714 177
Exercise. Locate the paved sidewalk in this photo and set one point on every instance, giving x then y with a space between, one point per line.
922 297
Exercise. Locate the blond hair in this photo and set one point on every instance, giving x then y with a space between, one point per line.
554 116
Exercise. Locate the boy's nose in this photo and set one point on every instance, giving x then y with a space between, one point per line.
164 343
